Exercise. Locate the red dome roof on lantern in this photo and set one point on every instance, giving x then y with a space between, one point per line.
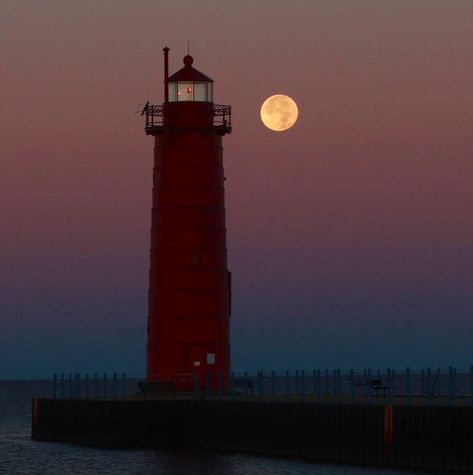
188 73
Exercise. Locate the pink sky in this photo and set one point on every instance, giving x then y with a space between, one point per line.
350 236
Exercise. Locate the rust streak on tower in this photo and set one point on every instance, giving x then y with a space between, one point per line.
189 283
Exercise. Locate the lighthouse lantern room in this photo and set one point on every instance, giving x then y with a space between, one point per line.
188 84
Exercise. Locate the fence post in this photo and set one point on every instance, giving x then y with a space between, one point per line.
287 384
352 386
439 376
422 381
220 384
334 386
370 389
454 385
105 385
55 386
114 386
207 385
429 386
471 385
450 385
340 383
70 386
195 379
389 384
408 386
302 383
62 385
393 384
96 385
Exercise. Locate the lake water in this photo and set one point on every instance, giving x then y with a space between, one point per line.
21 455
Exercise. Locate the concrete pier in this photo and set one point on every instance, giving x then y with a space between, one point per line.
434 438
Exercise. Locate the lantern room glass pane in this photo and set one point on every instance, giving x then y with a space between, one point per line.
210 93
200 91
185 91
172 90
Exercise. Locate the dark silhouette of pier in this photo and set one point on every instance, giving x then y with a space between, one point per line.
413 420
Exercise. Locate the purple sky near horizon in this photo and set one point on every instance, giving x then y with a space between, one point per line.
350 235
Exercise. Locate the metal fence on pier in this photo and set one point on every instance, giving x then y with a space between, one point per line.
448 387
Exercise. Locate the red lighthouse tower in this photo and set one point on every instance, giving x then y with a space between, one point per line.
189 283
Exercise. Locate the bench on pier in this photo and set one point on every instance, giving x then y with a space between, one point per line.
377 386
157 387
374 384
243 383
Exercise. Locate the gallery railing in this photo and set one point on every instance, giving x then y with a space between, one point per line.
154 116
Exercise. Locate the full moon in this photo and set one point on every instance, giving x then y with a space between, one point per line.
279 112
